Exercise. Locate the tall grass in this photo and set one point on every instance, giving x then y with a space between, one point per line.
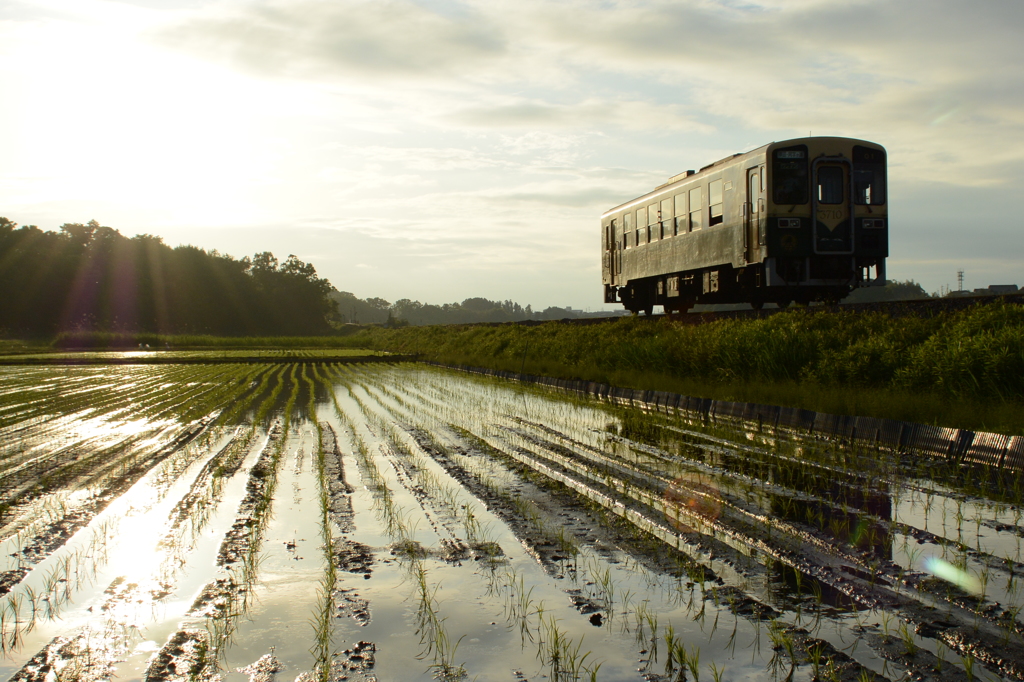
961 368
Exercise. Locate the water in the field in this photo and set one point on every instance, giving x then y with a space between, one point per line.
483 530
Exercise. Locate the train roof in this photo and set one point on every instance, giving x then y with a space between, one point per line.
763 149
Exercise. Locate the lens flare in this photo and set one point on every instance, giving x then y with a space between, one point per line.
950 573
690 499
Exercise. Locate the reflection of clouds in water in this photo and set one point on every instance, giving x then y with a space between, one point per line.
950 573
691 495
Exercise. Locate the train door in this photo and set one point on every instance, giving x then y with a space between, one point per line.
831 196
753 230
609 248
616 258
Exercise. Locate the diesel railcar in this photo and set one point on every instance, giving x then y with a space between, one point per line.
801 220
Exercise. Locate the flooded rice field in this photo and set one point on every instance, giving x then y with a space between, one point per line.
404 522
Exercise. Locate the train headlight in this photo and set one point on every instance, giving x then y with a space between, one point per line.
874 222
789 222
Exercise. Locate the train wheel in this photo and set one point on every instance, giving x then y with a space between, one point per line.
757 305
649 310
784 303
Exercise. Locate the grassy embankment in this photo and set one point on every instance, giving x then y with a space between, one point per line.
963 368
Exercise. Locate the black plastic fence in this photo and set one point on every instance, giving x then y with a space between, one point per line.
955 445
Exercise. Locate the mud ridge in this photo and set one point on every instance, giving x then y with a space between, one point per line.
183 659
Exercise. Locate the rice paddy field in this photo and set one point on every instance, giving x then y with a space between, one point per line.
331 521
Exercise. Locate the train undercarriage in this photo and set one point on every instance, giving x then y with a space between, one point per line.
803 281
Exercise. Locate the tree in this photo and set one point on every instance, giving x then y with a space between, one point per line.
90 277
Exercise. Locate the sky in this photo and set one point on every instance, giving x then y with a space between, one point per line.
441 149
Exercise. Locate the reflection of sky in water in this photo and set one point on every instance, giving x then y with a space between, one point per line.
500 414
119 543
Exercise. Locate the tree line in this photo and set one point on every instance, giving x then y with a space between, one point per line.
472 310
88 277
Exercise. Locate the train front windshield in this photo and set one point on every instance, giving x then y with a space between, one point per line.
789 168
868 176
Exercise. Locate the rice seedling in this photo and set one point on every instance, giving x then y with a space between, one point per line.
561 654
968 661
322 649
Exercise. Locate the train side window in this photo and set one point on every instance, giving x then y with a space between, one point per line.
613 234
715 203
680 214
695 203
830 185
627 227
641 225
755 190
667 223
653 228
789 175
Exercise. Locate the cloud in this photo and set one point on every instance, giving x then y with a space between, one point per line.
323 38
590 113
427 158
918 75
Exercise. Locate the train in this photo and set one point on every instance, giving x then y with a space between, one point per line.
800 220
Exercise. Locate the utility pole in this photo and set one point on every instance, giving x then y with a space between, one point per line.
960 280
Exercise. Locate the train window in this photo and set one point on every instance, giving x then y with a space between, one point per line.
695 204
868 175
680 227
667 222
789 172
653 228
830 185
755 187
680 205
641 217
714 203
869 187
613 234
627 227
